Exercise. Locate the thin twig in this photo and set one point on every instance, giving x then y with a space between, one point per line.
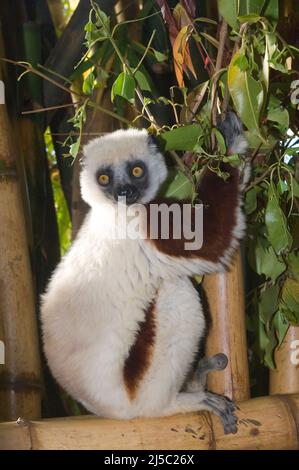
90 103
219 61
145 52
50 108
258 180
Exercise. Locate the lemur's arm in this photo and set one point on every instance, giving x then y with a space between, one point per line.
223 220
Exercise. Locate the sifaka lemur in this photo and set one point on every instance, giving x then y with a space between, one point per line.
122 321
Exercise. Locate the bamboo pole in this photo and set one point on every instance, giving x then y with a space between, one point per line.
227 333
285 378
264 423
20 376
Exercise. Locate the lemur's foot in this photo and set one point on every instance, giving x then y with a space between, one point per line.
224 408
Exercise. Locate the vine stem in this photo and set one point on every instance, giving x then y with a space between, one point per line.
259 179
219 61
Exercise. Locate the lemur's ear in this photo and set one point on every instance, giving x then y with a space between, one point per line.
153 140
232 130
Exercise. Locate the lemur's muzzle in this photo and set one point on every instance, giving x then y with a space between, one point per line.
130 192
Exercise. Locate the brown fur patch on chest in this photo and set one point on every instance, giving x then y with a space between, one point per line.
140 355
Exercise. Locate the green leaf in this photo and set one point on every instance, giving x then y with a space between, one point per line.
74 148
247 94
233 159
276 223
178 186
220 140
295 187
229 11
182 138
89 27
278 66
242 62
124 86
255 141
266 261
270 348
293 264
281 326
88 84
159 55
290 297
251 200
271 10
250 18
282 187
142 81
268 303
251 7
268 343
279 115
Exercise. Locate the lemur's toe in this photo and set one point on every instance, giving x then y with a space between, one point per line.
229 422
224 408
219 361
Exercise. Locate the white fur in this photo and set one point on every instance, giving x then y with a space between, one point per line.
97 297
114 149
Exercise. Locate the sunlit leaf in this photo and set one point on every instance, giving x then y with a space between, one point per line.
247 94
74 148
88 84
124 86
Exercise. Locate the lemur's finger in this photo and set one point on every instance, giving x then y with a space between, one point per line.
219 361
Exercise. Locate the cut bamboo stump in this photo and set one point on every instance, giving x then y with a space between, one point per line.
263 423
20 393
227 333
285 378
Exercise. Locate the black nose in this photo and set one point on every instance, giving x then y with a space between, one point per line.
131 193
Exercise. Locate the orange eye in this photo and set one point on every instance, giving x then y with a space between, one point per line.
103 179
137 171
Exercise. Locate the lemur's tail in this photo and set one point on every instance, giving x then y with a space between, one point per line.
232 131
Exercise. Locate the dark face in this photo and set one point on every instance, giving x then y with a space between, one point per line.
129 180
